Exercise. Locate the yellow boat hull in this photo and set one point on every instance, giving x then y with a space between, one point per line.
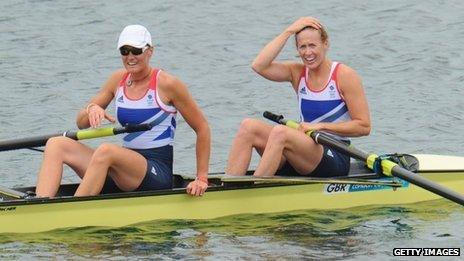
25 216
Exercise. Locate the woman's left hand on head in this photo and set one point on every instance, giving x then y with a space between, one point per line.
302 23
197 188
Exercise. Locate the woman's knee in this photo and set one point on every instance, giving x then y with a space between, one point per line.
104 154
249 128
57 141
58 144
279 134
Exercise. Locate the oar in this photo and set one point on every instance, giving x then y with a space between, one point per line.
388 167
12 193
306 180
38 141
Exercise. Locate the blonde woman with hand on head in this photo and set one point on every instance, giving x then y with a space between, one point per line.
330 98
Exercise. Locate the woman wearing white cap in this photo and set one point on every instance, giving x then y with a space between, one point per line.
142 95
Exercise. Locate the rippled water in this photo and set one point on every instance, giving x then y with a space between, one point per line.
351 234
54 55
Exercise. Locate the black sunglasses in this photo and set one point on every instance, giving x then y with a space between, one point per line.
125 50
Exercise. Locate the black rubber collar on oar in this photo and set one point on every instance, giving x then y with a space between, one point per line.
388 167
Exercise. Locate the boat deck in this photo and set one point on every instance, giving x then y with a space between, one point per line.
358 171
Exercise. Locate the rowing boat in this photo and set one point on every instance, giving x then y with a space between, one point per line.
374 180
226 196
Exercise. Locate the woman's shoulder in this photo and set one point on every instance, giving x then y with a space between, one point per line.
170 87
167 80
296 67
297 71
347 77
345 72
115 79
118 74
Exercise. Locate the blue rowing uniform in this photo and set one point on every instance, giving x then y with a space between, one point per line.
156 144
326 105
148 109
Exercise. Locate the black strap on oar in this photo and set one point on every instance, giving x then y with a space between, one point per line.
388 167
38 141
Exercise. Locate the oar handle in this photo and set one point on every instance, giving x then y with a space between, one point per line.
273 117
129 128
38 141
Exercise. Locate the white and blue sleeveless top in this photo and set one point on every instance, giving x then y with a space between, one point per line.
148 109
326 105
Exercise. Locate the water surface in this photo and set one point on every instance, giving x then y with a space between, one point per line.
54 55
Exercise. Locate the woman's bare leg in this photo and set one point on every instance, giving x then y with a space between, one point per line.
126 167
251 134
59 151
297 148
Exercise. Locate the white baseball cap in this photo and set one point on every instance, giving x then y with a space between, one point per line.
134 35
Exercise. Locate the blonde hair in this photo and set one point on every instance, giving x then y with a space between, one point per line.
322 33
